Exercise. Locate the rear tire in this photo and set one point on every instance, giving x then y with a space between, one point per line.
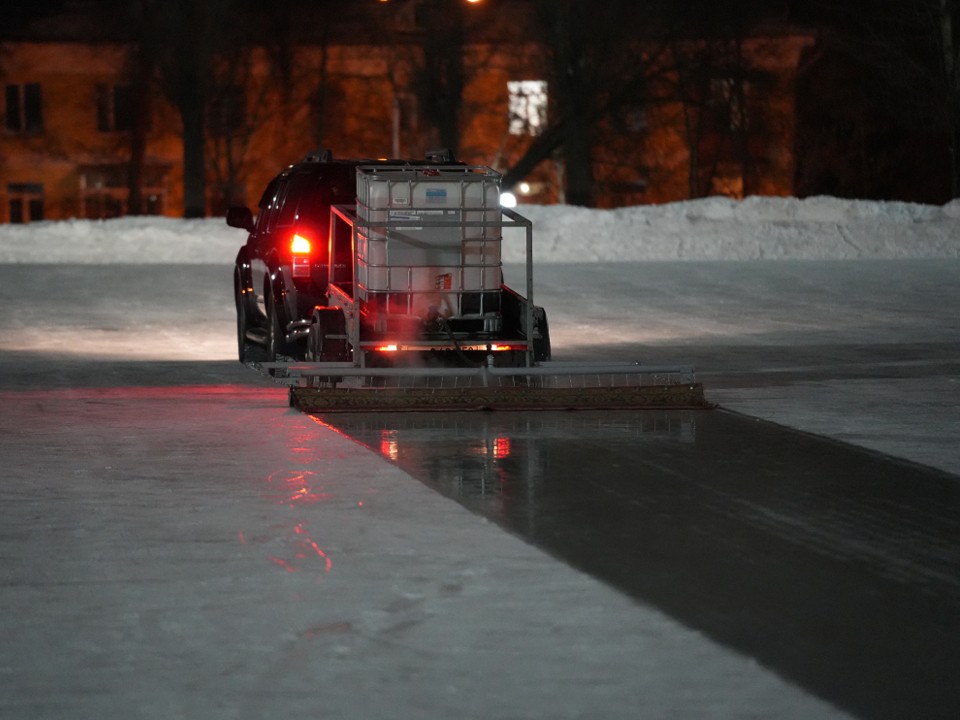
247 351
275 341
326 342
541 345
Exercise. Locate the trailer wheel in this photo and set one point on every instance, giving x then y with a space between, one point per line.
541 335
327 341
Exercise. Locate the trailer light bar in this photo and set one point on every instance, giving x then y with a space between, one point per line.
466 347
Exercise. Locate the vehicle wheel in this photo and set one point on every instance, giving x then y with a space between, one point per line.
247 351
275 344
541 345
327 340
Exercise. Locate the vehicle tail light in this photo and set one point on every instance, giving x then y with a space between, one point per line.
300 245
300 248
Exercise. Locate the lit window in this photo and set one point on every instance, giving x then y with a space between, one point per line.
528 106
24 111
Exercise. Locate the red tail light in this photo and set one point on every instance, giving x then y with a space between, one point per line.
299 245
300 248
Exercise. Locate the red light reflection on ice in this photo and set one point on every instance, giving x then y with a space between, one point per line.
305 552
282 563
298 488
388 445
331 428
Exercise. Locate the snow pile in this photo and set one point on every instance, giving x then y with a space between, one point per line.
757 228
122 240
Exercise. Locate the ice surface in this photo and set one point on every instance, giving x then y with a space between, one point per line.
177 543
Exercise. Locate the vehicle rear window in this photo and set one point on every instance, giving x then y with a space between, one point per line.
298 187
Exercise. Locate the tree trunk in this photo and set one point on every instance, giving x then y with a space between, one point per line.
442 77
138 132
951 65
194 183
573 100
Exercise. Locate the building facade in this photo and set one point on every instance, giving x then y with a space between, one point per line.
83 137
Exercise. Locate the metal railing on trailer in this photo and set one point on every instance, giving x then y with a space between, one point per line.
346 288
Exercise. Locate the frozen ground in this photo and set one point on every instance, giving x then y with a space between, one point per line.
177 544
831 338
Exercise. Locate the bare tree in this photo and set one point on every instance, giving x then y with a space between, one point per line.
719 90
140 72
182 38
440 79
947 17
905 58
601 59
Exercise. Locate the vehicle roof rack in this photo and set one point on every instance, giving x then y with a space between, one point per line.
322 156
439 156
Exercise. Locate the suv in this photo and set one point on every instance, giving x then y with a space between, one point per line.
282 271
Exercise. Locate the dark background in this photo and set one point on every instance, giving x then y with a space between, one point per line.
877 95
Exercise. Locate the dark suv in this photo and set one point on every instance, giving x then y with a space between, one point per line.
281 272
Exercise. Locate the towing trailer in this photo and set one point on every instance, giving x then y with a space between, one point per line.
418 317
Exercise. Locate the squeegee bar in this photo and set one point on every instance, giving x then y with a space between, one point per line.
544 370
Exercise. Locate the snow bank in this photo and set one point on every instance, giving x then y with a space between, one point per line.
122 240
757 228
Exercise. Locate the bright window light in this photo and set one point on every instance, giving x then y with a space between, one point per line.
528 106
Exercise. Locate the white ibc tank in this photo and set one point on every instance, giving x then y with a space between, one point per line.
424 230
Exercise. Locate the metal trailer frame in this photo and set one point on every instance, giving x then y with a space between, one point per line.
346 215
